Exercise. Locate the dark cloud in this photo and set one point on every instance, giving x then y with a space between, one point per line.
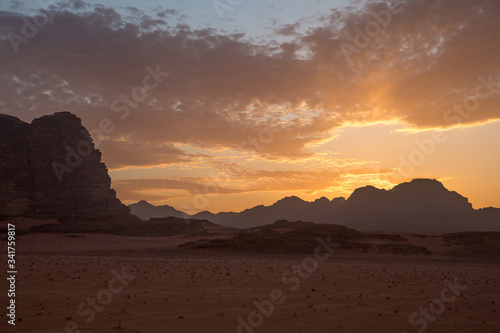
124 154
223 91
168 12
16 5
288 30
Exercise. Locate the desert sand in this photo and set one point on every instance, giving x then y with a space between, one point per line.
172 290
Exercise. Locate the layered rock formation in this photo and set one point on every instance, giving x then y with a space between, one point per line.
50 169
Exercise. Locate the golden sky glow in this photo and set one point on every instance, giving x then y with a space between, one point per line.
239 122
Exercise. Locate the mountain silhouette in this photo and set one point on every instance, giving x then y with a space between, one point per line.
146 211
50 168
422 205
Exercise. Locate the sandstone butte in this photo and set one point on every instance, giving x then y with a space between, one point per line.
40 178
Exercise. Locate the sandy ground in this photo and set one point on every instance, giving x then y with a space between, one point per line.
168 290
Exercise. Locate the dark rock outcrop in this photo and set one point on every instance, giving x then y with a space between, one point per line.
282 237
50 169
302 237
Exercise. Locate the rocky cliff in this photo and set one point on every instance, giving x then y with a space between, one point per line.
50 169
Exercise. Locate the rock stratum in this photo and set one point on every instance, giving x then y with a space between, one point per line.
51 169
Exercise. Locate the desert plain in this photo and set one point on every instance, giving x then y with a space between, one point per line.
64 284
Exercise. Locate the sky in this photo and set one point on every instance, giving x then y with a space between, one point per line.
224 105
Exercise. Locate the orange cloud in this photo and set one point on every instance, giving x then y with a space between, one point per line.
223 91
434 65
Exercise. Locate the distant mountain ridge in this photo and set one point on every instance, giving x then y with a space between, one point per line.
146 211
422 205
